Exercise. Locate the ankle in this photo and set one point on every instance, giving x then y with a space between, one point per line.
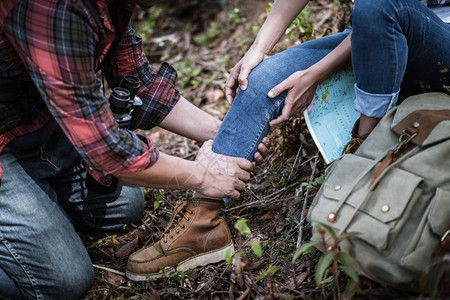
366 125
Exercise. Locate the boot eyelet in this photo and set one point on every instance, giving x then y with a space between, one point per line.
171 236
191 212
178 232
194 205
183 227
188 219
165 242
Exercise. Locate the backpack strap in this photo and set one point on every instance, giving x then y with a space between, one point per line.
421 122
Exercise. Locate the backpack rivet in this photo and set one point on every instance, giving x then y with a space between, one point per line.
385 208
331 217
337 188
416 124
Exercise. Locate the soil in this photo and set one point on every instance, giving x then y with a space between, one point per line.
275 202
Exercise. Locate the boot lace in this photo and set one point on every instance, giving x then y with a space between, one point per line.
174 227
352 145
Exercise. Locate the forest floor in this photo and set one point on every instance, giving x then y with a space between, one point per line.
203 40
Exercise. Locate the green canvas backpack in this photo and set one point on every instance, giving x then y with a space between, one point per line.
394 193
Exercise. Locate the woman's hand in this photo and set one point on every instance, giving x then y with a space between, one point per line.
239 73
300 87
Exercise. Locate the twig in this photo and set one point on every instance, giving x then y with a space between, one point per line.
295 160
109 270
280 191
266 198
302 215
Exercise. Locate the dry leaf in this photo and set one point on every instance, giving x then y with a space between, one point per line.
127 248
114 279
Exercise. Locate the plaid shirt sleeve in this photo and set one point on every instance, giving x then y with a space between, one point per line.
56 43
157 91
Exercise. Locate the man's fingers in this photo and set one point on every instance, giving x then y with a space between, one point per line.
244 176
234 195
244 164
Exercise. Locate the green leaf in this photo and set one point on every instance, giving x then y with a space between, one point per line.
256 247
318 180
327 228
322 267
155 205
242 227
228 255
347 235
271 269
345 259
304 249
351 273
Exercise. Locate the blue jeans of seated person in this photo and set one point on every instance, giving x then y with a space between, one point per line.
392 41
247 120
42 194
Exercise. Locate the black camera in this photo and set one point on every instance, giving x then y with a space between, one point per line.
122 101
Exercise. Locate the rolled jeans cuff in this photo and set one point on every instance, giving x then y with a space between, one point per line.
374 105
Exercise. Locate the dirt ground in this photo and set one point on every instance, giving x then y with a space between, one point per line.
203 40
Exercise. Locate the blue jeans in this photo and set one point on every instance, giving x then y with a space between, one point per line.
247 121
42 197
392 42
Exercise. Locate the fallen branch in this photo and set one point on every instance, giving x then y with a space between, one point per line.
109 270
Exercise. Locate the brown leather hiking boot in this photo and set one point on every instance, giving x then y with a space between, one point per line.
199 237
355 141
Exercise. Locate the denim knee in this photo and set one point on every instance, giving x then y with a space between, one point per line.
264 76
110 212
71 279
371 14
126 210
136 203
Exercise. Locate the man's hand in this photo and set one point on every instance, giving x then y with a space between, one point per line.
223 175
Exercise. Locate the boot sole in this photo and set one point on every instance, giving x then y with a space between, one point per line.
190 263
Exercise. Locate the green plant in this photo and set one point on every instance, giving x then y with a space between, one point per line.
157 197
235 16
172 274
312 187
243 229
271 269
333 260
301 26
211 33
187 73
147 28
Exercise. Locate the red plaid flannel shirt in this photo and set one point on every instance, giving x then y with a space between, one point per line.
55 43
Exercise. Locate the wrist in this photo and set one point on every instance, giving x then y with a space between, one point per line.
261 47
198 176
